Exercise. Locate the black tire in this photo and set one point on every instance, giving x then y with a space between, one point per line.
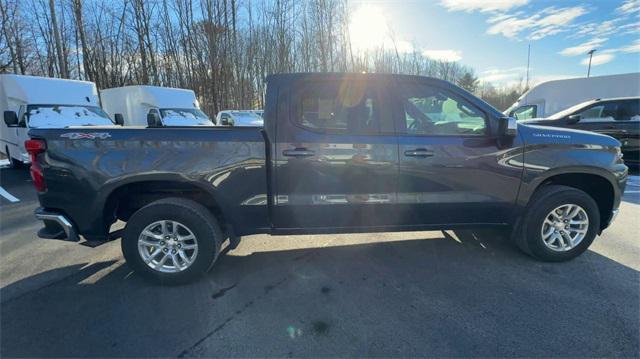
196 217
528 236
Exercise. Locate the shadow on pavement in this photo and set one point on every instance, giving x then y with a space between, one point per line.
466 294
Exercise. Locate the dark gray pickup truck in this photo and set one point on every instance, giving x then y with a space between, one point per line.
338 153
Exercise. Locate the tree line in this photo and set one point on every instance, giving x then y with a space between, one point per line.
221 49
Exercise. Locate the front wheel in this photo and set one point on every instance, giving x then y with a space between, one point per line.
560 224
171 241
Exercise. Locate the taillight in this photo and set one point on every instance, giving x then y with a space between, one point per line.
35 147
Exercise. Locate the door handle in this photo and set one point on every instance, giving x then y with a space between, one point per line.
298 152
418 152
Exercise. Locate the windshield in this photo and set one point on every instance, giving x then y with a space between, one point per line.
62 116
184 117
569 111
246 115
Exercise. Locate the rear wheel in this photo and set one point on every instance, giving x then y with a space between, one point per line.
171 241
560 224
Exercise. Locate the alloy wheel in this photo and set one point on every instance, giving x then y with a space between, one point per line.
167 246
564 227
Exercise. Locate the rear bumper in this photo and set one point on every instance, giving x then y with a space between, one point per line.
56 226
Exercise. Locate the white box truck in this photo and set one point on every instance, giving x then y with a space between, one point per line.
163 106
40 102
551 97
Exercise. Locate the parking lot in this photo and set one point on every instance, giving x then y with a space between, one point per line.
462 293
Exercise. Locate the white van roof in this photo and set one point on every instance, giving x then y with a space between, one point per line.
629 79
21 89
561 94
155 96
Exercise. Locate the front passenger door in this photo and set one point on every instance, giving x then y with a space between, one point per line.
452 170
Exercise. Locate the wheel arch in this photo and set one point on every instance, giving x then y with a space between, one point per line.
596 182
145 189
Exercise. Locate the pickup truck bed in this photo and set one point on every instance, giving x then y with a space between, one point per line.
85 176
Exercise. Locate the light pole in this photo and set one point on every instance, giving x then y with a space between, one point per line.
528 61
590 57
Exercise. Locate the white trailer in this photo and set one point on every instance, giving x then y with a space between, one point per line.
171 106
550 97
40 102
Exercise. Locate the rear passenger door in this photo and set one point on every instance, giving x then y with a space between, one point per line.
336 155
452 170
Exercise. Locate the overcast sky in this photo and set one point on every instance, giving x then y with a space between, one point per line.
492 35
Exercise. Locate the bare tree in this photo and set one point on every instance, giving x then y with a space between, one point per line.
222 49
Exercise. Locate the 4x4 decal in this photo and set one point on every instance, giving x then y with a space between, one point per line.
86 135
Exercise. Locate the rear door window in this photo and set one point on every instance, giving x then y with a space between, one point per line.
355 107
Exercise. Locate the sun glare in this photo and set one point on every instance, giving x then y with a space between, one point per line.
368 28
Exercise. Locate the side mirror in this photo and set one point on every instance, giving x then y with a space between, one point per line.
508 127
226 122
153 120
574 119
11 118
118 119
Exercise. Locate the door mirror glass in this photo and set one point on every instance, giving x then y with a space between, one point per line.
11 118
119 120
508 126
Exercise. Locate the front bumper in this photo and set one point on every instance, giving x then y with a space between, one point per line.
56 226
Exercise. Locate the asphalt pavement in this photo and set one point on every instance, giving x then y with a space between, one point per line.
453 293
